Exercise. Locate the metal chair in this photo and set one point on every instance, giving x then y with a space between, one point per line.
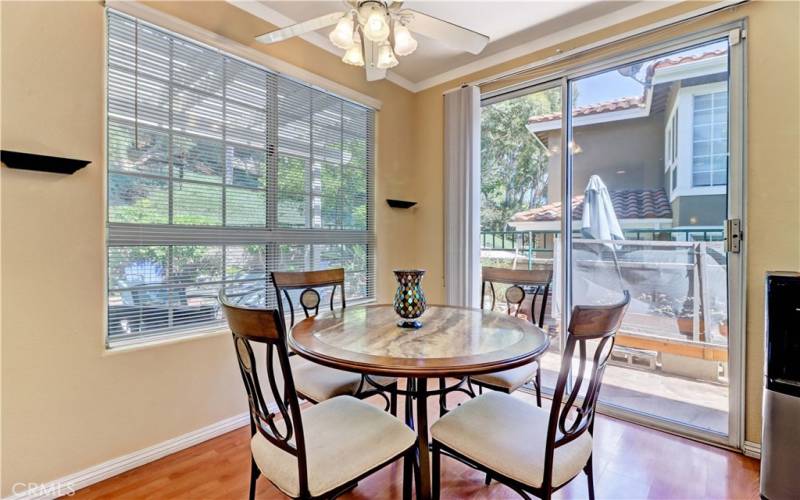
509 381
528 448
324 450
315 382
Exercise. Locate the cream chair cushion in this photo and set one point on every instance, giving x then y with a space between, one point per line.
344 437
510 380
320 382
508 435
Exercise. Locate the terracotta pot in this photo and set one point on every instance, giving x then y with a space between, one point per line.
686 325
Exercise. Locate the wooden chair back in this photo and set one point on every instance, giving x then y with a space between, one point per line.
515 294
309 282
570 420
266 326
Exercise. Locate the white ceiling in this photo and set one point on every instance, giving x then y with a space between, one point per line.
514 28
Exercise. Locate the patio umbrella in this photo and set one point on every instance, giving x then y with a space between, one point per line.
599 218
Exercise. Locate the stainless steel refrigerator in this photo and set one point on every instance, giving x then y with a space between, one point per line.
780 435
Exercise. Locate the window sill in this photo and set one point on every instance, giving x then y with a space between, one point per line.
698 191
133 345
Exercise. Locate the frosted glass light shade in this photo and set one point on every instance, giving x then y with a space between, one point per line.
354 55
386 58
342 34
404 43
376 28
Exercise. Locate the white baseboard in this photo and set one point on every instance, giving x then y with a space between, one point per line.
752 450
81 479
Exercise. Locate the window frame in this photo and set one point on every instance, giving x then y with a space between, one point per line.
714 110
684 107
271 236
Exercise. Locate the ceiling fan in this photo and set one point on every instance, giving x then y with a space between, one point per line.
374 32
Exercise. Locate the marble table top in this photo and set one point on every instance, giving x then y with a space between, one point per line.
452 341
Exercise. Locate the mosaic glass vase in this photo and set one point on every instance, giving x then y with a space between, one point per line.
409 300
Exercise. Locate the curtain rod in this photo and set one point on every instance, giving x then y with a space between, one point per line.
578 51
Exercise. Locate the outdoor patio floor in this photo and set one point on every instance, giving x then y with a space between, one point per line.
692 402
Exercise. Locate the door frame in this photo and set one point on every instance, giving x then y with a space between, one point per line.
735 32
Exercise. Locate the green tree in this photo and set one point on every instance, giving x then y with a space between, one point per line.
513 161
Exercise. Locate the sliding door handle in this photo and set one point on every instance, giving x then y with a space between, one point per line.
733 235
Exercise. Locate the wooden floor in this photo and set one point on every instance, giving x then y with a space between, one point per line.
630 461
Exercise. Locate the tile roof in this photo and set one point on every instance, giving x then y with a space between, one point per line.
676 61
593 109
628 204
631 101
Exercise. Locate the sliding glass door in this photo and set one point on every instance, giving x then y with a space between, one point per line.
649 170
652 176
521 197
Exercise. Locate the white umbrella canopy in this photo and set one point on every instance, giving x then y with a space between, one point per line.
599 219
590 283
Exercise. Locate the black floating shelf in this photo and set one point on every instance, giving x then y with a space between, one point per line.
41 163
401 203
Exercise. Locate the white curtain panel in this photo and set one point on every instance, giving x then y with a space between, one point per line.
462 177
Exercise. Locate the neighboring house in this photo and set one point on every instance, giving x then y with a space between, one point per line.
664 152
635 208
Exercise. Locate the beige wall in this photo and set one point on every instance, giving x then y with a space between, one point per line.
66 403
773 159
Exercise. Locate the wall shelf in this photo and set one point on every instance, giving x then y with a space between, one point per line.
400 203
41 163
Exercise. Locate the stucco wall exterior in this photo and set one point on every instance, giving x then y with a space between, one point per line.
705 210
626 154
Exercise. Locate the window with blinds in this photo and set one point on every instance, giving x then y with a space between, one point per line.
219 172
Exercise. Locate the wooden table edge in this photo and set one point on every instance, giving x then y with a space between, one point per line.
387 369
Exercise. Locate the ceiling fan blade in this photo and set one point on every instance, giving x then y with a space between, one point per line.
300 28
456 36
370 58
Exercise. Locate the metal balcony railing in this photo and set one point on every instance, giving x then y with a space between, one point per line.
542 241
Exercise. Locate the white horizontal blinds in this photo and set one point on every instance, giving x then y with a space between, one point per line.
220 171
322 160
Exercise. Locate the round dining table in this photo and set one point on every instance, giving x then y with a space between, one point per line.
453 342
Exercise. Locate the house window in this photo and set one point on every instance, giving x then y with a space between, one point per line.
219 172
674 178
671 144
710 140
675 136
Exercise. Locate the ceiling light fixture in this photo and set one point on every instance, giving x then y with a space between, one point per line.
342 34
575 148
355 54
374 23
375 26
373 33
404 43
386 58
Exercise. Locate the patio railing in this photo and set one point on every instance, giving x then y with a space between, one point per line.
677 278
512 240
531 244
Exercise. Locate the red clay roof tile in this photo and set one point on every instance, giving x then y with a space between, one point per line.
628 204
630 101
